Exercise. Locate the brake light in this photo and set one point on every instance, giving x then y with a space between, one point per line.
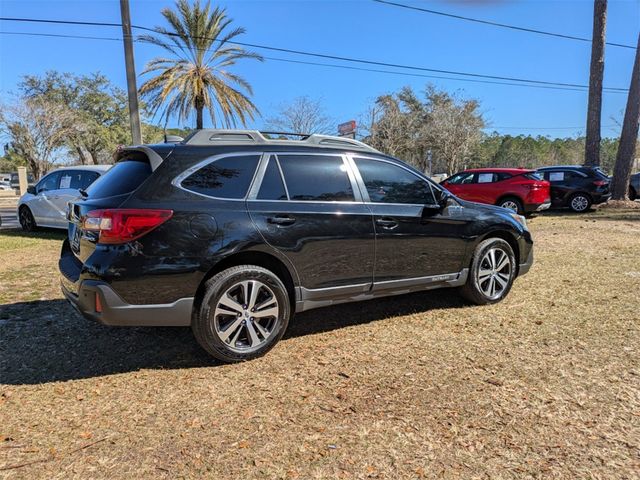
600 183
122 225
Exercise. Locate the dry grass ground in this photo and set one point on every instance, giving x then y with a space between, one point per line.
543 385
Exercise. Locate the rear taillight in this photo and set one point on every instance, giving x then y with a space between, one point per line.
600 183
122 225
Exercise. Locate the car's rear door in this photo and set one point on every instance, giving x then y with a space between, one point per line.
410 244
317 219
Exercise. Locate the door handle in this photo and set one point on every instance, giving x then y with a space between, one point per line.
387 223
281 220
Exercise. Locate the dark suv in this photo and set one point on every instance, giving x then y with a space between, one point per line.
232 233
576 187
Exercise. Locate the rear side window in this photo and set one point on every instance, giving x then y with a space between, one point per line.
77 179
124 177
316 178
502 176
227 177
388 183
272 187
485 177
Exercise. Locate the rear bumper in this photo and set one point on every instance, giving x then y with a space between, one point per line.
537 207
600 198
114 311
97 300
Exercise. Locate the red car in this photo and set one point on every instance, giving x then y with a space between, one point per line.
521 190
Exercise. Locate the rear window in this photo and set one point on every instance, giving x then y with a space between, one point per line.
124 177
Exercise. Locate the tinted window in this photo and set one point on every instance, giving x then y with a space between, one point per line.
461 178
77 179
124 177
533 176
316 177
272 187
502 176
50 182
228 177
388 183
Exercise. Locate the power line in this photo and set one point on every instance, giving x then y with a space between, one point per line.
345 67
496 24
331 57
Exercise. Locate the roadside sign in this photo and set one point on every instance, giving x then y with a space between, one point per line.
347 129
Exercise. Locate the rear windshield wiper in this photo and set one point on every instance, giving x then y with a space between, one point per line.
83 192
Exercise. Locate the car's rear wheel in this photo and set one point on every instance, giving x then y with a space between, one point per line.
242 314
492 272
27 222
512 203
579 202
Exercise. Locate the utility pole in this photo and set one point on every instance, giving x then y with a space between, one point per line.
132 89
594 108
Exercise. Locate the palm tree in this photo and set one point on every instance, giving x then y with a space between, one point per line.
197 75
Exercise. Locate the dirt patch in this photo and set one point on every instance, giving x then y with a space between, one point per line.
543 385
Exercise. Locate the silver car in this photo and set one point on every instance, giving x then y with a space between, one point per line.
45 203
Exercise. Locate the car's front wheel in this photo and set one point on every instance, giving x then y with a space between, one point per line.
579 202
242 314
27 222
492 272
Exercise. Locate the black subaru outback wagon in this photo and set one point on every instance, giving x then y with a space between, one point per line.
232 233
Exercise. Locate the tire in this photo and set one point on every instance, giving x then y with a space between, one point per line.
27 222
231 331
632 193
512 203
479 284
580 202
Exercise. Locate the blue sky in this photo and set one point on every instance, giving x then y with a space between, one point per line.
368 30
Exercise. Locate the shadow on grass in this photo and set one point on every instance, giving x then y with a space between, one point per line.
47 341
42 233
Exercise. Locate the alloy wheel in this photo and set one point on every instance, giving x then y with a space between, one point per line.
246 315
579 203
510 204
494 273
26 220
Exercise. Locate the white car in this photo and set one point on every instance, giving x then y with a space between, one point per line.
45 204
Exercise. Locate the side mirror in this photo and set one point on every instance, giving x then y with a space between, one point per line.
31 189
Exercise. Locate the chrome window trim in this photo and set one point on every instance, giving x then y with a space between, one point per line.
177 181
365 192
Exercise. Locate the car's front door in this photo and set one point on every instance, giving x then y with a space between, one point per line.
41 205
317 219
411 241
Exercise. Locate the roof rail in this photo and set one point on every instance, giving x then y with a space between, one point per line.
209 137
